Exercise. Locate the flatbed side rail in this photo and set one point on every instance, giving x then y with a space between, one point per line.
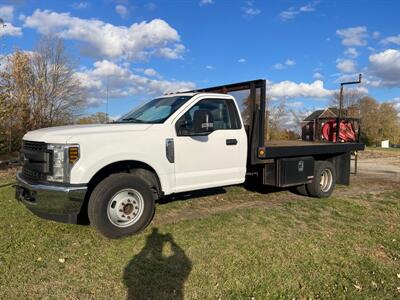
308 150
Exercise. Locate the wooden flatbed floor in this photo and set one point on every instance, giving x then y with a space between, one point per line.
276 149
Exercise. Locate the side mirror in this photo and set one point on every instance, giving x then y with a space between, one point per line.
184 126
203 122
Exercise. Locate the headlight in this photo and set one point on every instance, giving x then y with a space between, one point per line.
63 159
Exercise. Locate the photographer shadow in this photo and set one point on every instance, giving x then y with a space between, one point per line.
154 275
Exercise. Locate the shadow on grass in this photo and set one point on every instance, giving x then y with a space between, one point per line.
152 274
191 195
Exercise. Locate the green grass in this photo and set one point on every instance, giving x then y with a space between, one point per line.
328 249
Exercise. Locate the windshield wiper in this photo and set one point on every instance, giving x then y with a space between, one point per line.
134 120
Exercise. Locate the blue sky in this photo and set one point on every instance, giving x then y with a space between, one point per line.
142 48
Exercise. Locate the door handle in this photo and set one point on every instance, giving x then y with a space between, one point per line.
231 142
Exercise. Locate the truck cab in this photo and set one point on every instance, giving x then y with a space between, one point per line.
175 143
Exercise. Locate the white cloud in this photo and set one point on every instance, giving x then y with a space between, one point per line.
10 29
122 11
396 101
279 66
80 5
318 75
150 72
346 65
391 39
205 2
296 104
7 16
290 89
242 60
172 53
376 34
385 66
352 52
249 10
122 82
7 13
288 63
209 67
353 36
291 12
100 39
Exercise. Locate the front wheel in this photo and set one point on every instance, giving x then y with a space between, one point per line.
324 180
120 205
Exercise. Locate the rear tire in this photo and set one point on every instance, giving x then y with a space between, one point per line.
324 180
302 190
121 205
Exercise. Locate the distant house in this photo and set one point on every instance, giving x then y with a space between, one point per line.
311 126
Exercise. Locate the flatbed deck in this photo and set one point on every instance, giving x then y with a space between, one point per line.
277 149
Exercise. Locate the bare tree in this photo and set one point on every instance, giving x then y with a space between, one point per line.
350 97
38 89
14 100
57 93
276 116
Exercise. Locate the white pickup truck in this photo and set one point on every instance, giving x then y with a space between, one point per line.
182 142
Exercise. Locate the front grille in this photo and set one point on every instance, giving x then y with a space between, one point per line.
35 161
32 175
34 146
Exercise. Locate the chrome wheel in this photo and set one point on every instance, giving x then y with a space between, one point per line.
326 180
125 208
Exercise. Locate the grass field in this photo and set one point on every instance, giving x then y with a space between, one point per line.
307 248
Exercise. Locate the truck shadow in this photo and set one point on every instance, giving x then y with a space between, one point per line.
157 272
191 195
251 187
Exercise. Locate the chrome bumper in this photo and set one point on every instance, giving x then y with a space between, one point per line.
58 203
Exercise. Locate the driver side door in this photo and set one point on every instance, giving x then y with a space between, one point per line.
213 152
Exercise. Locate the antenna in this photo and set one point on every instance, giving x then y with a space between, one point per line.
107 99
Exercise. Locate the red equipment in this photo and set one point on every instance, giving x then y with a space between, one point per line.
346 131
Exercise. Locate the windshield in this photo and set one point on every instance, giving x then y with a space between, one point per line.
155 111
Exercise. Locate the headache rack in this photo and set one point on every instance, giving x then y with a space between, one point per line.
252 99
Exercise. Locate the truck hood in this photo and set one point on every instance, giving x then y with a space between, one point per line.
64 134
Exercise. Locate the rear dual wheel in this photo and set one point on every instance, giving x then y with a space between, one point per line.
323 183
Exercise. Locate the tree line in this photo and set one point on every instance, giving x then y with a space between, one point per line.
378 121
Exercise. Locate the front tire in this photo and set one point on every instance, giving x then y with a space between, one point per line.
324 180
121 205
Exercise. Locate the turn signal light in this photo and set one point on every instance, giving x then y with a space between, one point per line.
73 154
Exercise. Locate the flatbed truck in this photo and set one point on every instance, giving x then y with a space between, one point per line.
180 142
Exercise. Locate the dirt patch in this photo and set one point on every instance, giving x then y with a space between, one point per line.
378 153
